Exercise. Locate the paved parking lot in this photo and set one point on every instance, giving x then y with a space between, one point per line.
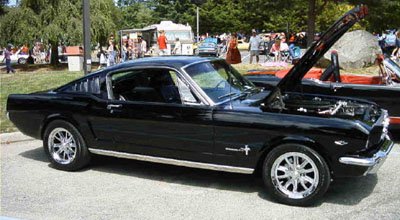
122 189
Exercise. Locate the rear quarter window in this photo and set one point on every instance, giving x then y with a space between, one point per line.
89 85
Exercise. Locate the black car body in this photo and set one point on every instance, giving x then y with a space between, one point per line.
200 112
385 93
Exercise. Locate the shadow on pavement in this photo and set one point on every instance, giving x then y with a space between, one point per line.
178 175
36 154
343 191
350 191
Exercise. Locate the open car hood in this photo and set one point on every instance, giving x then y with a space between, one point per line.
317 50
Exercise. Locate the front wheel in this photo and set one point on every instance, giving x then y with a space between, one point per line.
295 174
65 146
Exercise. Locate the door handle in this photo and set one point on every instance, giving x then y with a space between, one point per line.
111 106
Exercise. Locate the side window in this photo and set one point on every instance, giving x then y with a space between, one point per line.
88 85
148 85
186 94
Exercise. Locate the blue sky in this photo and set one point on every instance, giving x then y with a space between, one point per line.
12 2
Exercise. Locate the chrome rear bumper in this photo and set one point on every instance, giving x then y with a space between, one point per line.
373 163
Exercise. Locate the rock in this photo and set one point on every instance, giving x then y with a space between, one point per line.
356 49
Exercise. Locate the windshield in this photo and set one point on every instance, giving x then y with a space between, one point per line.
182 35
211 40
219 81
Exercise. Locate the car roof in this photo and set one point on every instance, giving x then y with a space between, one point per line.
176 62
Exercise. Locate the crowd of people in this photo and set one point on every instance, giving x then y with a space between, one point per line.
276 46
130 49
389 41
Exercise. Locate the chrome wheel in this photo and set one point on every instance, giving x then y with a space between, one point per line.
62 146
295 175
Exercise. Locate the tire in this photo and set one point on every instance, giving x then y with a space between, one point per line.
65 155
312 180
22 61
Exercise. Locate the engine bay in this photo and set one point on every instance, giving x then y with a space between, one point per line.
325 106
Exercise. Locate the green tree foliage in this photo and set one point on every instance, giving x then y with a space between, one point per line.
61 20
3 4
135 15
383 14
55 21
19 31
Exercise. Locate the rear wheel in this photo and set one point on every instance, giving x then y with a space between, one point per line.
295 174
65 146
22 61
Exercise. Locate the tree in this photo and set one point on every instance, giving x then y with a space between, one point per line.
56 21
136 15
19 31
3 4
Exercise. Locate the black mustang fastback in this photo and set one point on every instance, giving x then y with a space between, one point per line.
200 112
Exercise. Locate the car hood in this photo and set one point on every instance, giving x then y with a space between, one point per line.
317 50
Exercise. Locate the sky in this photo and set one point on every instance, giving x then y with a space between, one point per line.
12 2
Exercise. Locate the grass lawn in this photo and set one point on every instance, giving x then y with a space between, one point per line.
27 82
39 78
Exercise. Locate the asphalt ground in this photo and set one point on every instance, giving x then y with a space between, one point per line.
113 188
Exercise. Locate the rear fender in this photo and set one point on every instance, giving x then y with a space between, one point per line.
54 117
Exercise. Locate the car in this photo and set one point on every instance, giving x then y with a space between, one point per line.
243 45
200 112
383 88
17 57
209 47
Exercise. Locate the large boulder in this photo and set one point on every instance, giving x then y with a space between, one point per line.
356 49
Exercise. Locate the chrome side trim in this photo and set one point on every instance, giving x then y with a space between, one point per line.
170 161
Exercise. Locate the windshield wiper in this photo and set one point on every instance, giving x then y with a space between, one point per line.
227 95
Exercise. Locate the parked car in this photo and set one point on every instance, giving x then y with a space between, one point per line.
243 45
209 47
200 112
17 57
383 88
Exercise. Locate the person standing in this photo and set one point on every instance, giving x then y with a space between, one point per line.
292 44
143 45
111 53
7 58
124 51
162 43
178 47
390 42
233 55
254 44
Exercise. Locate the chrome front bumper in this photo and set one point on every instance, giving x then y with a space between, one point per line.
373 163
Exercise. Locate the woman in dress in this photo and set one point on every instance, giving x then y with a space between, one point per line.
233 54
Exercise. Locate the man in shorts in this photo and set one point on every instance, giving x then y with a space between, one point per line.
254 44
162 43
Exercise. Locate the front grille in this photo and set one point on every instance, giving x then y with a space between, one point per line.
379 130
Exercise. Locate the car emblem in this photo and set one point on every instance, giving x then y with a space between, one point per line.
341 143
244 149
